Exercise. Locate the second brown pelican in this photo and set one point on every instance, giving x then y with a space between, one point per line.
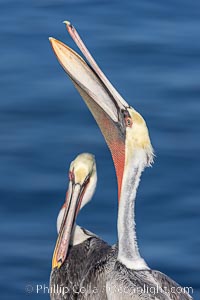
77 249
127 136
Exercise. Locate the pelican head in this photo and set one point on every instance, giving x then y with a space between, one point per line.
82 184
124 129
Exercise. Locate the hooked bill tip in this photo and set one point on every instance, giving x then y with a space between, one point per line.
51 39
67 23
59 264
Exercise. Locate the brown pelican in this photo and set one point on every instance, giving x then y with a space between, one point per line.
77 249
127 136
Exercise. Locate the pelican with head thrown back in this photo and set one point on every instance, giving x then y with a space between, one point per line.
127 137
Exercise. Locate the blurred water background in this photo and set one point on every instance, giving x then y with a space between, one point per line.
150 50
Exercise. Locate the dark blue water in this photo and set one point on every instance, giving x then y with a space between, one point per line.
151 52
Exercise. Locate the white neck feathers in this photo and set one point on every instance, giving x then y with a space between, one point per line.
79 235
128 252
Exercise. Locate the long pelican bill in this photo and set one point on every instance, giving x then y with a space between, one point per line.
72 206
77 39
107 106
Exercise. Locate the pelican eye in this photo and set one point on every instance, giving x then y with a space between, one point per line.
128 122
71 176
127 118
